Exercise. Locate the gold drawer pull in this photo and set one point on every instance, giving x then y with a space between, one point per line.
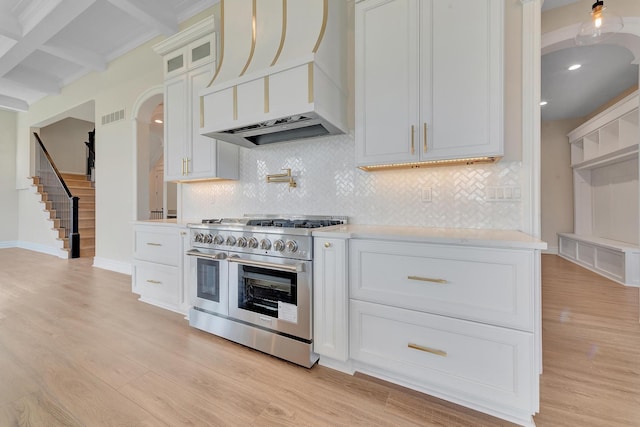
428 279
327 244
413 147
427 349
424 134
154 282
153 244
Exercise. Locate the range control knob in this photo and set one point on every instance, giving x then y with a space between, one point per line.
207 238
292 246
265 244
218 240
199 238
231 241
242 242
278 245
253 243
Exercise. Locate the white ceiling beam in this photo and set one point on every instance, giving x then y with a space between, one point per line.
13 104
56 19
150 14
79 56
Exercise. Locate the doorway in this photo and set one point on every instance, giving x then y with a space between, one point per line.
155 198
599 76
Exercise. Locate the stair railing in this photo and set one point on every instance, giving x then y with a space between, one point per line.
63 202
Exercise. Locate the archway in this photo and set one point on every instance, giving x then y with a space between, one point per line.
557 210
148 157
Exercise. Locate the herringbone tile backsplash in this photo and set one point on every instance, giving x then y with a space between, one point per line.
330 184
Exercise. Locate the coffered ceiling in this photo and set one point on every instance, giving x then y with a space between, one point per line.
47 44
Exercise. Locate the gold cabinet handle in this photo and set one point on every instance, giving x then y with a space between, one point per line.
186 169
413 147
183 166
154 282
428 279
437 352
424 136
327 244
153 244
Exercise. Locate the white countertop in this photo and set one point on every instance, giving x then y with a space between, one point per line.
452 236
161 222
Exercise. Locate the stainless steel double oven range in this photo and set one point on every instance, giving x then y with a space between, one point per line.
251 281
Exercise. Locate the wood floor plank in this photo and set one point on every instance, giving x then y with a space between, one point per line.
178 406
36 410
78 348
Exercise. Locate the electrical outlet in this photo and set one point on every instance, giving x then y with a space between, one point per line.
426 195
503 194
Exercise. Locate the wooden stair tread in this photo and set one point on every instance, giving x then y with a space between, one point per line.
79 186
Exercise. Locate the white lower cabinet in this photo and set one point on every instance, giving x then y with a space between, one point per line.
157 274
469 361
330 299
457 321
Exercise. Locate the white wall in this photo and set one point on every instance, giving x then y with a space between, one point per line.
125 79
615 201
8 194
64 141
556 180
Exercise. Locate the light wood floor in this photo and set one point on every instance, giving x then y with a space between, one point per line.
77 348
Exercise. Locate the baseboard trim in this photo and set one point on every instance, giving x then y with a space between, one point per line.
551 250
8 244
112 265
36 247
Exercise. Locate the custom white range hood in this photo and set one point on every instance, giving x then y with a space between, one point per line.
281 72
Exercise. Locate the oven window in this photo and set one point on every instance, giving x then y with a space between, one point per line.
208 272
260 290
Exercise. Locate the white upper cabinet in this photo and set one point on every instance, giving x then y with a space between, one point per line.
429 80
189 63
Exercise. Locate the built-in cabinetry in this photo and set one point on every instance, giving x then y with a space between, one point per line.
330 298
604 157
451 314
189 62
158 261
424 92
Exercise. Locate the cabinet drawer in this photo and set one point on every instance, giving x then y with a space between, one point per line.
158 246
157 284
484 284
472 361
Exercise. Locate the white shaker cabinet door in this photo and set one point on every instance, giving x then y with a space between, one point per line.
462 64
429 80
175 124
387 80
330 299
203 149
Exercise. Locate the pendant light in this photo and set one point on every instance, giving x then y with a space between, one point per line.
602 24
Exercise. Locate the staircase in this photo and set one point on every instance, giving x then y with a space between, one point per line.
79 186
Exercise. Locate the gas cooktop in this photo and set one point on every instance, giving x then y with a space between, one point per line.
279 221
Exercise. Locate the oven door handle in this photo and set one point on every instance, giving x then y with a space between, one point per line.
197 253
294 268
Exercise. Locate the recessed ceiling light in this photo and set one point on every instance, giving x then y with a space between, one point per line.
574 67
543 103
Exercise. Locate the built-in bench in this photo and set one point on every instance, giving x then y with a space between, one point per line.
616 260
